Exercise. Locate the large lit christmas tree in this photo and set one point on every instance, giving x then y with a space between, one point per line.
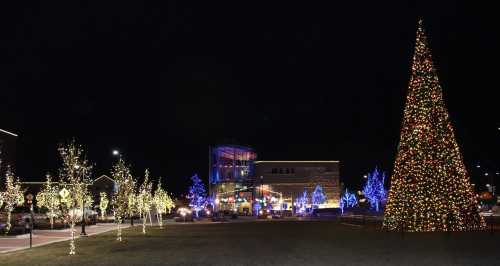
430 188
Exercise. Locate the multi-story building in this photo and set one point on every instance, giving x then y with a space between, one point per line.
229 177
238 183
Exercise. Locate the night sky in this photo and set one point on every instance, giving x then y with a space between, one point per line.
294 81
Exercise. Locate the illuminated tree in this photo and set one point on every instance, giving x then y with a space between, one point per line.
74 177
348 200
430 188
132 203
48 198
301 203
160 200
145 200
318 197
374 189
103 204
197 194
12 196
124 188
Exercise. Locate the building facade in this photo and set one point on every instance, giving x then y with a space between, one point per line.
105 184
231 169
280 183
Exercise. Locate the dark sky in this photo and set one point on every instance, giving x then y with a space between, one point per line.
305 81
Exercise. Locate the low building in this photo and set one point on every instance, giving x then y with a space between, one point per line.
285 181
104 184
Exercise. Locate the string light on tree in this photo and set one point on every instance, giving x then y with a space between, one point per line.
197 194
318 197
124 187
12 196
103 204
430 188
74 177
48 198
301 203
374 189
145 200
347 200
160 200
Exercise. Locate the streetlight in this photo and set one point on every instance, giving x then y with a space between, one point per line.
116 152
29 197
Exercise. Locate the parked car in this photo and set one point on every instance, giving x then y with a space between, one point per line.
184 215
218 217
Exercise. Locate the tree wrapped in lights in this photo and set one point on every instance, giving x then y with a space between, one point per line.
348 200
124 188
160 200
318 197
170 203
430 188
103 204
197 194
145 200
374 189
74 177
302 202
12 196
132 204
48 198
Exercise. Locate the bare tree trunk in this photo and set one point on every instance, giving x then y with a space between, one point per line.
72 242
8 221
119 232
52 219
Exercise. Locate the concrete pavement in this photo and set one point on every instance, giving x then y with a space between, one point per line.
45 237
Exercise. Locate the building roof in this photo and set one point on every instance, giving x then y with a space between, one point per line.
104 177
257 162
8 132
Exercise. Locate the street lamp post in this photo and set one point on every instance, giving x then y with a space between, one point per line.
83 233
29 197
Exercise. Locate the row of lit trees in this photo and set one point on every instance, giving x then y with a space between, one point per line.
69 197
374 192
130 200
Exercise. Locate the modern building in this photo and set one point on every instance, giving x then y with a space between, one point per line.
230 172
237 182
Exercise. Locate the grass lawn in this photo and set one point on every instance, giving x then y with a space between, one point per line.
268 243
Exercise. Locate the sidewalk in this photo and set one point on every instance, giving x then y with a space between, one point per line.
45 237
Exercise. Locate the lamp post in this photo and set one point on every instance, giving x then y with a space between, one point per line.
84 194
29 197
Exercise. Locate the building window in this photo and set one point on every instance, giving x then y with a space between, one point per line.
281 170
292 170
287 171
274 171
